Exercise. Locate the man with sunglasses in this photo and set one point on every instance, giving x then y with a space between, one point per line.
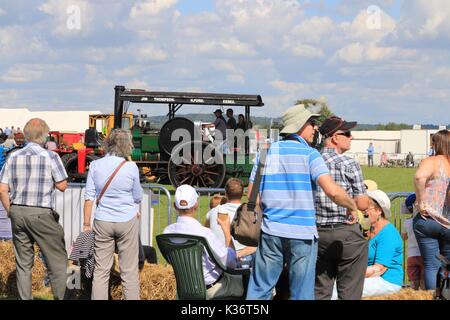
342 253
291 171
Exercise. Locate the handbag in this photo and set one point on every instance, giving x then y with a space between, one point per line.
246 224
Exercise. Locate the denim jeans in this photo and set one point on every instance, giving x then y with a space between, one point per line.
433 239
300 255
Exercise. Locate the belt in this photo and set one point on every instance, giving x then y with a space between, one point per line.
330 226
27 206
209 286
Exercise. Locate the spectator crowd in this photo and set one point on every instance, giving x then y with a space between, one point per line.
323 224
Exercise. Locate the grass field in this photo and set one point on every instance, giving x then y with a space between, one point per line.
391 179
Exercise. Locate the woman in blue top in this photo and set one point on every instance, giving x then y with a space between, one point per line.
384 274
116 216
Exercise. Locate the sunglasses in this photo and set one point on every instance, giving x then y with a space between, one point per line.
348 134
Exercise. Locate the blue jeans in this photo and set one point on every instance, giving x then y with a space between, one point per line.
300 255
433 239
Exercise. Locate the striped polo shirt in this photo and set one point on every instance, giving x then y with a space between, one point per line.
289 178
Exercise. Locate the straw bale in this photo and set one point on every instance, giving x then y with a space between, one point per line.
157 283
8 285
406 294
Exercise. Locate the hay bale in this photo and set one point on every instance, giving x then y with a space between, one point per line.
157 283
406 294
8 283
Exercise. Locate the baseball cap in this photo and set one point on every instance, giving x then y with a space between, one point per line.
332 124
295 118
185 197
370 185
383 201
218 110
409 202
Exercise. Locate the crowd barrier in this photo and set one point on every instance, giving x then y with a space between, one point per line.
157 211
153 208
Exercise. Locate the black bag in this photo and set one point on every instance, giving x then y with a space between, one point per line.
246 224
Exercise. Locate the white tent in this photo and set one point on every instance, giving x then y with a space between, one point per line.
73 121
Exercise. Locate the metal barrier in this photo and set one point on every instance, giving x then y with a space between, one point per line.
399 215
69 205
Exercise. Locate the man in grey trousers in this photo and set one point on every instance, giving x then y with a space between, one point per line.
342 253
27 184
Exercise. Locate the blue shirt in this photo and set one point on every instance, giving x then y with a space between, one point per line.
386 249
118 203
290 174
370 150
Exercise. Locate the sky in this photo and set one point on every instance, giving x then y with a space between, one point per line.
373 61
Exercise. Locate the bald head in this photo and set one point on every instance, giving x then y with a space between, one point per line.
36 130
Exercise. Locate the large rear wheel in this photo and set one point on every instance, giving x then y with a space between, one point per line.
70 162
190 164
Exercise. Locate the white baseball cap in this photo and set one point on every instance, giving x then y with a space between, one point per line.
383 201
185 197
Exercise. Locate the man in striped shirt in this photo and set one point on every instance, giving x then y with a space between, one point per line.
288 231
27 184
342 254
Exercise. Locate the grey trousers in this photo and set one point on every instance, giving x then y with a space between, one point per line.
36 225
342 257
125 235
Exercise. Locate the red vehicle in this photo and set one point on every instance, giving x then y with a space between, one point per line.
75 155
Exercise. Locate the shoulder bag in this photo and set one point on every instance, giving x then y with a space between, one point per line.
246 225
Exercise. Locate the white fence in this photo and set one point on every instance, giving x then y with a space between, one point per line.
69 205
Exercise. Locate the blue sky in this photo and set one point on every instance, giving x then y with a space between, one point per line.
378 66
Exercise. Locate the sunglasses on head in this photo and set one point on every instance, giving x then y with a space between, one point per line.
348 134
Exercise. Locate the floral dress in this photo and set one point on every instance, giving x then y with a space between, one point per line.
437 197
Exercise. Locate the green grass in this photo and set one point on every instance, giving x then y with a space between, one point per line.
391 179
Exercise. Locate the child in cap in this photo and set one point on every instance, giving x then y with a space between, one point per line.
415 268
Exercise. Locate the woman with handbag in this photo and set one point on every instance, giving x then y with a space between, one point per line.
115 184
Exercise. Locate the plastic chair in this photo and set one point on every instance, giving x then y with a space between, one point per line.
184 253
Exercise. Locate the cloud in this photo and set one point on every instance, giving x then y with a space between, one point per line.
2 12
151 53
21 75
314 30
71 18
278 49
423 23
151 8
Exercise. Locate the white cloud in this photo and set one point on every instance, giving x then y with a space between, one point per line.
21 74
151 7
352 53
2 12
151 53
138 84
307 51
127 71
423 21
67 14
232 46
314 30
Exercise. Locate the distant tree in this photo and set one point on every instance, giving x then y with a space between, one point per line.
324 110
392 126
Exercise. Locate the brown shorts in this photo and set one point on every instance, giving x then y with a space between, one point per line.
415 268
